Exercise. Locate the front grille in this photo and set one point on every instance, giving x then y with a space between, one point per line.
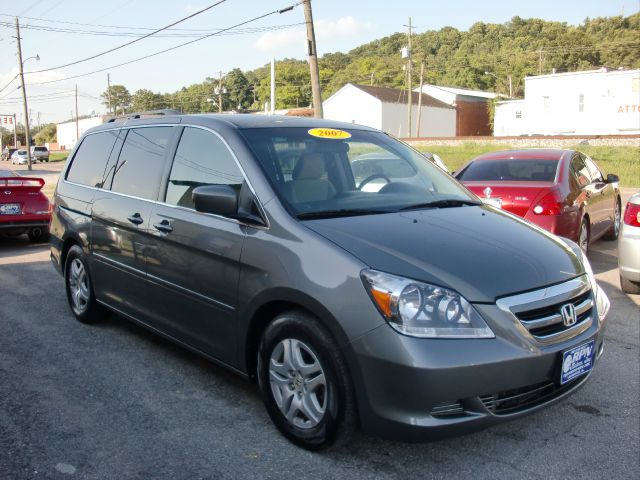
539 312
511 401
547 321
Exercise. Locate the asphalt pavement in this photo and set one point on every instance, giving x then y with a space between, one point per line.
113 401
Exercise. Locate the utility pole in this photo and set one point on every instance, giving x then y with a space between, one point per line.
220 92
77 125
313 60
409 94
273 86
15 132
420 100
510 86
24 97
109 92
540 62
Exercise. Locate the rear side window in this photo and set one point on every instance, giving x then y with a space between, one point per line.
87 167
141 162
530 170
201 159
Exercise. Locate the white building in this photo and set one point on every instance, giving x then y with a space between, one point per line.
67 133
593 102
386 109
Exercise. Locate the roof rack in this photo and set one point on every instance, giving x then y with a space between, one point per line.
150 113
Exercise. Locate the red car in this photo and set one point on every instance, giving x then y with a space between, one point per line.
562 191
24 208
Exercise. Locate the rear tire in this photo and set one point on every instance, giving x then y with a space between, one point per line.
629 287
614 231
79 287
305 383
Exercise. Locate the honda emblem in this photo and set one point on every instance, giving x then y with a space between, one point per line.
568 313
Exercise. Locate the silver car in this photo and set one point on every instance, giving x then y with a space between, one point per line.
19 157
629 247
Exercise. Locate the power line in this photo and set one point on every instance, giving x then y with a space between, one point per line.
136 34
132 41
175 47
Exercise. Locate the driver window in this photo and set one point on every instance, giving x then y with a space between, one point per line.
596 175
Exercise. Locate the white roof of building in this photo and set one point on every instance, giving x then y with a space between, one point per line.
463 91
599 71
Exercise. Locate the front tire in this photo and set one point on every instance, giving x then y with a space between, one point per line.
583 236
304 382
79 287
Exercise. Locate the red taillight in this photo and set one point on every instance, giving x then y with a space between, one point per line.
549 205
632 215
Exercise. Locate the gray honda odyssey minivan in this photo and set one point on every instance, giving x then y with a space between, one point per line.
358 283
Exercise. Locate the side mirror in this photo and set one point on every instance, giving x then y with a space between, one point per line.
216 199
611 178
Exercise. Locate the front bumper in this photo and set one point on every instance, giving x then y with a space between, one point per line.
417 389
629 253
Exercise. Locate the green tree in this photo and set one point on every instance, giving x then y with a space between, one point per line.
47 134
239 95
145 100
120 98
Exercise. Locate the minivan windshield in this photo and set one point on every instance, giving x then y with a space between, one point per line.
324 172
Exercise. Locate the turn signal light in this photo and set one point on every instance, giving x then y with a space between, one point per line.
632 215
549 205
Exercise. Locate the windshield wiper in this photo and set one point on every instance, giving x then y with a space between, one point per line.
339 213
452 202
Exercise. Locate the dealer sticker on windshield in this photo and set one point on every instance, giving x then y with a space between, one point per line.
576 362
332 133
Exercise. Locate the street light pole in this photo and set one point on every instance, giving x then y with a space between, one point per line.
24 97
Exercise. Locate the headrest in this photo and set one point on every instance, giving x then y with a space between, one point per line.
310 166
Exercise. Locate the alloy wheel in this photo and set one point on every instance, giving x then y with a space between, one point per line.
298 383
78 286
616 221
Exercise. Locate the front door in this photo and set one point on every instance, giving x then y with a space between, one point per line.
194 261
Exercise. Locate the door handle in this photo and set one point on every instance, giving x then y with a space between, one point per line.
136 219
164 226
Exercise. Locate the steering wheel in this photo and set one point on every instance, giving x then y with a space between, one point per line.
372 177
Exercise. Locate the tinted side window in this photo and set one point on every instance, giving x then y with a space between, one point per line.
89 161
579 169
140 165
201 159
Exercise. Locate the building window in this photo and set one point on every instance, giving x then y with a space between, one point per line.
546 104
518 113
581 102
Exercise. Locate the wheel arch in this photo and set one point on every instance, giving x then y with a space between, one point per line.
267 306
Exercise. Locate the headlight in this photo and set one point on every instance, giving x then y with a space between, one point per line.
419 309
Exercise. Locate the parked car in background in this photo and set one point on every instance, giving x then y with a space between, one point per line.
40 154
251 240
19 157
24 208
629 247
562 191
7 152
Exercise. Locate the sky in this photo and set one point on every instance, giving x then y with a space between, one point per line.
340 26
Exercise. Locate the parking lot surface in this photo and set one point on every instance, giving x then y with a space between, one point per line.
113 401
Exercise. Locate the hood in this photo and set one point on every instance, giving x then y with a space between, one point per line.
480 252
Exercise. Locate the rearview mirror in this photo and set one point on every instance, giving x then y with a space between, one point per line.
216 199
611 178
